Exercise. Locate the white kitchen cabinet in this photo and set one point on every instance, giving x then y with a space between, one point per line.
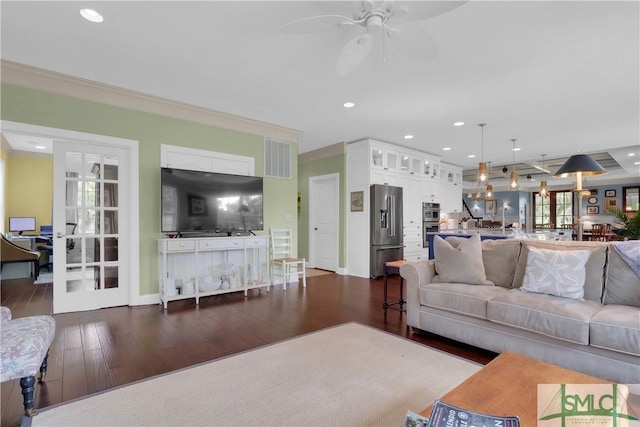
384 157
199 267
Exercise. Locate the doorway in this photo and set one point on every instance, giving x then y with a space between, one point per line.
95 218
324 221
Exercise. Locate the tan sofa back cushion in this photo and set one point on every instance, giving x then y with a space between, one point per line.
594 271
500 258
622 283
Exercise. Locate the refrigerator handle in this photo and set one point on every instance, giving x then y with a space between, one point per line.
392 212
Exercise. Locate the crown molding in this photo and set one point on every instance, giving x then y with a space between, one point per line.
63 84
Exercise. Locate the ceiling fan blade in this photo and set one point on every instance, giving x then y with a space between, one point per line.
421 10
353 53
316 24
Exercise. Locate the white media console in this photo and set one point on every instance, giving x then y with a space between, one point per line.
203 266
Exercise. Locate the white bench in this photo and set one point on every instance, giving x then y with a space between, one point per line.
24 347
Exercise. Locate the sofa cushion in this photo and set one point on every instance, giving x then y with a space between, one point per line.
622 284
470 300
461 263
500 257
561 318
559 273
594 272
617 327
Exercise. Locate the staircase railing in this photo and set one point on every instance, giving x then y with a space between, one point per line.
468 210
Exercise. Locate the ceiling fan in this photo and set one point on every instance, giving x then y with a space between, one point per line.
378 19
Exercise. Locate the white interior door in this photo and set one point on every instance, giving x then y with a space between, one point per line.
91 230
323 221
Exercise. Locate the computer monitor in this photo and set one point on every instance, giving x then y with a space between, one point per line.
18 224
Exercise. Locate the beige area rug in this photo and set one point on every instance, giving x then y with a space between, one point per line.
348 375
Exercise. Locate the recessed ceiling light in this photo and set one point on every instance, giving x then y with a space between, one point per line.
408 137
636 163
458 124
349 105
515 149
40 147
631 154
471 156
446 149
91 15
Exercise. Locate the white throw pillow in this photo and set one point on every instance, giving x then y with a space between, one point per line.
461 263
560 273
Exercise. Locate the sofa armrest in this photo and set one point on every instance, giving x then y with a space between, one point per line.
416 274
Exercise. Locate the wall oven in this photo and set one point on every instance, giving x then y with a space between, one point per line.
430 221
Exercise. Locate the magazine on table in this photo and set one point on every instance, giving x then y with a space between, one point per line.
445 415
415 420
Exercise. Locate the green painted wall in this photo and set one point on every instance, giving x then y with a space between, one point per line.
46 109
329 165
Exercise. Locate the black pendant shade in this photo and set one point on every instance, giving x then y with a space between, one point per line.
580 163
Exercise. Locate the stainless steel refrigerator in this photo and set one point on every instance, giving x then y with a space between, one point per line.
386 227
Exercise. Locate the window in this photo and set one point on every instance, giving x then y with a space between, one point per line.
554 211
630 198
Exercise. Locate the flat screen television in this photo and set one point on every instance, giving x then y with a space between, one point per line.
209 202
18 224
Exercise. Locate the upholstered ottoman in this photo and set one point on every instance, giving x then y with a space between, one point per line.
24 346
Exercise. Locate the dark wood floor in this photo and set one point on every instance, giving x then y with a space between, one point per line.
97 350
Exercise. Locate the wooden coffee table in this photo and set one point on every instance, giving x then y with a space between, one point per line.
508 386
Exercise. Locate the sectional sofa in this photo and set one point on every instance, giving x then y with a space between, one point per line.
573 304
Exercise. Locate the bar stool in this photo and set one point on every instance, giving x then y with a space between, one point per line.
393 267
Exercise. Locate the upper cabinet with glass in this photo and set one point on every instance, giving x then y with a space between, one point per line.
384 158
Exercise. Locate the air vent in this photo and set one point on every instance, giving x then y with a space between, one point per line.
277 158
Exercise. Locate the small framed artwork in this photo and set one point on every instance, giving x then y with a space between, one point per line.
593 209
610 193
610 203
197 206
490 207
592 200
357 201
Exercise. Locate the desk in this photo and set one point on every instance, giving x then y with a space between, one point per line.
393 267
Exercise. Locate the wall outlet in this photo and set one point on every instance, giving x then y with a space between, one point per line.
288 218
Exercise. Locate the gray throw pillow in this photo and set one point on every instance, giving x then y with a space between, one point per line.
459 264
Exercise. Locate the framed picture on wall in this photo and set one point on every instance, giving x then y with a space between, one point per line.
610 193
357 201
490 207
593 209
610 203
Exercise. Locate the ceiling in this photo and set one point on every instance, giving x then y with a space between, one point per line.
560 76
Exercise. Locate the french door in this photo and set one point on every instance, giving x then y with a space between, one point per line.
90 246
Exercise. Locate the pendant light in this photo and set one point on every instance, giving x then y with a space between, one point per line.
489 193
482 166
513 181
544 191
